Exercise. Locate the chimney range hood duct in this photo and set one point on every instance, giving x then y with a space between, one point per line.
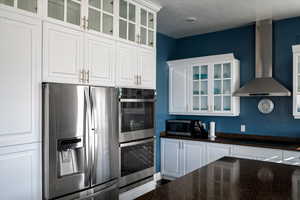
263 84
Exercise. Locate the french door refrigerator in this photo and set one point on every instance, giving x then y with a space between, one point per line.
80 142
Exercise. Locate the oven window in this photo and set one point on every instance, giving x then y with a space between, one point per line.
137 116
136 158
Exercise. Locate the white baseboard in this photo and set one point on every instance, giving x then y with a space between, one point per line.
157 176
140 190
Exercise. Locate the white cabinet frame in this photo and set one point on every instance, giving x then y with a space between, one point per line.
296 76
185 84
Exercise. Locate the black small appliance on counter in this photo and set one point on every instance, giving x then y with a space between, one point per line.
188 128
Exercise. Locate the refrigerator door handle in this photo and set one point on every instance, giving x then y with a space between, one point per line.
88 139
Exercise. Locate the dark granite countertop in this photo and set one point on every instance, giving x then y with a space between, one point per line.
283 143
233 179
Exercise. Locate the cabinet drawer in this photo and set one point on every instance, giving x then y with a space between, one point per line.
291 158
254 153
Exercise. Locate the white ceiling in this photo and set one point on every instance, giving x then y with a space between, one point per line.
216 15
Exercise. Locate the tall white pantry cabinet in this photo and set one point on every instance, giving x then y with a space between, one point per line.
109 43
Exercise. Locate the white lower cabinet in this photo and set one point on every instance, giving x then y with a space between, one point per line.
291 158
179 157
217 151
20 172
170 157
193 154
254 153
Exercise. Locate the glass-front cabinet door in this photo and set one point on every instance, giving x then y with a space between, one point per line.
222 94
27 5
127 21
200 101
101 16
297 86
66 10
147 27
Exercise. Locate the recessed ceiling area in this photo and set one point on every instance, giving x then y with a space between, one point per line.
216 15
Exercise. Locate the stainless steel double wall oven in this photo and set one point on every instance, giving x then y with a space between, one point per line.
136 135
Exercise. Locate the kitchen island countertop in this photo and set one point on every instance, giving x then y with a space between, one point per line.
232 179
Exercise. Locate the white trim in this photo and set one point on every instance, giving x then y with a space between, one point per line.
157 176
138 191
153 6
205 59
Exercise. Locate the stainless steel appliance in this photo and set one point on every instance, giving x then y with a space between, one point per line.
136 114
80 142
137 161
136 136
189 128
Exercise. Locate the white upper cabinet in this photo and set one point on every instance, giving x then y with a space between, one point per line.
137 23
70 11
22 6
136 67
101 41
63 54
178 89
20 80
147 68
296 81
100 60
208 84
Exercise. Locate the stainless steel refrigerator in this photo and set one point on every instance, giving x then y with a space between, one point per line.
80 142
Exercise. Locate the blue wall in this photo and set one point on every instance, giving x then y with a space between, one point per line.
165 49
241 42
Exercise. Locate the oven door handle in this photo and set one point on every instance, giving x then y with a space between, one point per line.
137 100
136 143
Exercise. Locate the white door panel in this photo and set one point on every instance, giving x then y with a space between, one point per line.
147 68
63 54
19 79
170 158
100 62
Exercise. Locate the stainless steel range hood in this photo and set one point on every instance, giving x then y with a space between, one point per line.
263 84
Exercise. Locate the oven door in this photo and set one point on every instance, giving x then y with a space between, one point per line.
137 161
136 118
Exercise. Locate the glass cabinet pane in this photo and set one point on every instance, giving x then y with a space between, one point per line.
196 87
73 12
195 102
226 103
28 5
226 87
123 29
7 2
151 20
195 73
131 32
123 9
108 24
217 103
108 6
217 71
132 12
94 19
143 36
204 72
204 89
204 103
56 9
217 87
143 17
226 70
95 3
151 38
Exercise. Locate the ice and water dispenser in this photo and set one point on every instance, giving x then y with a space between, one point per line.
70 156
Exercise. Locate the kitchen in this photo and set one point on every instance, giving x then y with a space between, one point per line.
123 50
